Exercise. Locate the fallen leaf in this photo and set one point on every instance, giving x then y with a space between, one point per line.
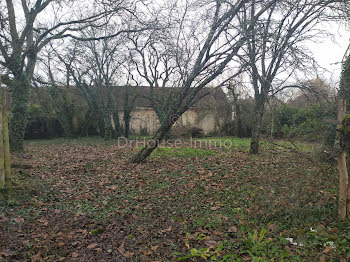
232 229
121 248
328 249
36 258
272 227
154 248
218 233
19 220
128 254
91 246
74 254
44 221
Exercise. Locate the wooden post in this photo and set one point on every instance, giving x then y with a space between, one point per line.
5 159
5 132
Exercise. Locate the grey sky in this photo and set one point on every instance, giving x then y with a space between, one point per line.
330 52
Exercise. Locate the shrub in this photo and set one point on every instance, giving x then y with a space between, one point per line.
197 132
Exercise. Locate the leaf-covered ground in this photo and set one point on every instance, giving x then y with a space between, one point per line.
82 200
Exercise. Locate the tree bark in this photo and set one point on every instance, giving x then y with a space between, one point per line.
238 111
127 124
348 200
2 156
108 129
116 120
258 113
344 191
343 185
19 113
150 147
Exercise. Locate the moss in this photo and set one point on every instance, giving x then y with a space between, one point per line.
19 112
344 130
345 79
35 110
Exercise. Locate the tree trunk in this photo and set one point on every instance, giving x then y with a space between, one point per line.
150 147
343 185
348 200
238 121
127 124
2 155
344 191
108 129
258 116
272 120
19 113
116 120
164 120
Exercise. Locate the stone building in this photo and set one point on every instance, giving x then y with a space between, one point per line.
209 113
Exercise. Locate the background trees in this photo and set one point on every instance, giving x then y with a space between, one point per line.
176 48
274 51
27 27
201 53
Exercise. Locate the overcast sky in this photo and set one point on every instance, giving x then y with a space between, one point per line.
330 52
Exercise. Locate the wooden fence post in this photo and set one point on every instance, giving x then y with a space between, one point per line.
5 158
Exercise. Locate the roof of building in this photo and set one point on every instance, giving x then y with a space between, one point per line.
206 98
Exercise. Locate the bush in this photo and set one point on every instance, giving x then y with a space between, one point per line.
312 124
197 132
41 125
179 131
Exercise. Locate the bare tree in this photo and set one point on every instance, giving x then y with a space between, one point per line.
201 52
55 94
153 59
28 26
274 50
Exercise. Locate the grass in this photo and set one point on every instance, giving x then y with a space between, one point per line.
226 142
181 152
184 202
82 141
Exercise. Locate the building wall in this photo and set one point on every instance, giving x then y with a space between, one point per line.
145 121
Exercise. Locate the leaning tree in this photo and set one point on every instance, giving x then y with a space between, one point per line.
205 37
